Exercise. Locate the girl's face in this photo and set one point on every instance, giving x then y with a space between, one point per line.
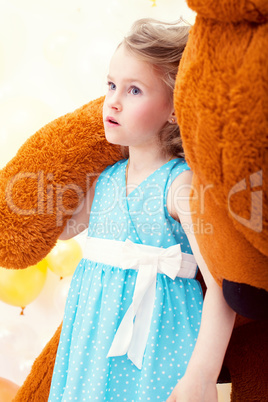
137 104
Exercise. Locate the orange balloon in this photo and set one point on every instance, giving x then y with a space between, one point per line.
64 257
8 390
19 287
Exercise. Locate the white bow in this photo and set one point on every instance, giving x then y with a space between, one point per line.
131 336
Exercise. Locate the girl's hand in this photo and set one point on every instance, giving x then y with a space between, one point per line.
194 390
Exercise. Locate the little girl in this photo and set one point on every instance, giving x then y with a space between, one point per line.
133 312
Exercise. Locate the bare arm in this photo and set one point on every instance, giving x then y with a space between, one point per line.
80 218
199 382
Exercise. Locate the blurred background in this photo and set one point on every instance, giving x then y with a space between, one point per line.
54 57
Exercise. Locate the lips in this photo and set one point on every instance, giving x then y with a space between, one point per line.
112 121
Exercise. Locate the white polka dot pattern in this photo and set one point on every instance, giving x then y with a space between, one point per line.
100 295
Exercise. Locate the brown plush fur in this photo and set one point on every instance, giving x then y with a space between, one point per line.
43 183
37 385
221 101
246 359
221 106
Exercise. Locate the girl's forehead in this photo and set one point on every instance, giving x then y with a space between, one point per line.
125 63
131 59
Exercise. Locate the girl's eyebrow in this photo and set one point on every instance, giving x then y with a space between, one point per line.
128 80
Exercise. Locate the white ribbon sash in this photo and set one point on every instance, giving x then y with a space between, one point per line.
132 333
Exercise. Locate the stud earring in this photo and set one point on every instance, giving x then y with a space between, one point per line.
172 120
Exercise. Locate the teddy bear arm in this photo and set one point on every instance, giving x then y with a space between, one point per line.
46 181
37 385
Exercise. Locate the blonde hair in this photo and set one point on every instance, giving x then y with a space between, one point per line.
161 44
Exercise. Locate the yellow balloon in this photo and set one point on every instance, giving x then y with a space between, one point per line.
19 287
64 257
8 390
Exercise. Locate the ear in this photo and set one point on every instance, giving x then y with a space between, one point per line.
172 118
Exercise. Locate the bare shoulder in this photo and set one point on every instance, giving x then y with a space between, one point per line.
178 195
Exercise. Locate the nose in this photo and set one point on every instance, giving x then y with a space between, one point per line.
116 107
115 103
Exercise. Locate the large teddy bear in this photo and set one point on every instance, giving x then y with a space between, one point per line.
221 101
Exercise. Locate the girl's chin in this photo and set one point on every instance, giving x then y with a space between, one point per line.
116 141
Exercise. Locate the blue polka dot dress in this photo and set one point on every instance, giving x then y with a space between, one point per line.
101 294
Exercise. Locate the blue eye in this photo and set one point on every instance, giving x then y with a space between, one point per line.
111 86
135 91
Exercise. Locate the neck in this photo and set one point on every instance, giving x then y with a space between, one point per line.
141 165
149 159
